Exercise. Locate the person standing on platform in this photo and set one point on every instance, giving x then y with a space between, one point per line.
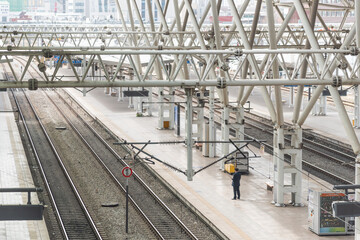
236 183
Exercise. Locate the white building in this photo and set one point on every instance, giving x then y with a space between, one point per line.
144 10
101 9
4 11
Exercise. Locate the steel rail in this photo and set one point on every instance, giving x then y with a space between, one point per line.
46 182
67 175
181 224
104 166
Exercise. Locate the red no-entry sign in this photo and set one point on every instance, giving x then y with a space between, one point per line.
127 172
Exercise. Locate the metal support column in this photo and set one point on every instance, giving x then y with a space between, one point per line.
291 97
357 163
149 110
357 107
296 165
189 142
166 110
131 100
357 195
199 123
212 127
161 108
278 160
83 67
322 106
224 135
239 125
120 89
294 168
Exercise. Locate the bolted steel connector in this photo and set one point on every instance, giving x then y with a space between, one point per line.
160 47
337 81
47 53
102 47
9 48
207 37
12 39
337 46
42 67
225 67
238 53
354 51
343 65
221 83
108 33
33 84
15 33
166 33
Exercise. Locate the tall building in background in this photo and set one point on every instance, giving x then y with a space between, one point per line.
155 11
76 6
101 9
4 11
17 5
34 5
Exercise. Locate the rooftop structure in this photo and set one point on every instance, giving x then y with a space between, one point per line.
207 49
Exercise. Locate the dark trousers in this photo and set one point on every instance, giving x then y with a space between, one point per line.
236 191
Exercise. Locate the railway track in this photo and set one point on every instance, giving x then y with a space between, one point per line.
73 217
330 160
201 229
164 223
161 219
326 158
321 158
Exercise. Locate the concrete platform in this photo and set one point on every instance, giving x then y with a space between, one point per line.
252 217
15 173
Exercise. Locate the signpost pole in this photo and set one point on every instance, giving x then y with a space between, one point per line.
178 119
127 172
127 203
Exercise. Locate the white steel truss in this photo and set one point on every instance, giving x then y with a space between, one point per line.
185 50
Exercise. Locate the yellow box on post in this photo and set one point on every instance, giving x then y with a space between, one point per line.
166 124
230 168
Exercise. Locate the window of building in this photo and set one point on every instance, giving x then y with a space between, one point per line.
143 8
106 6
100 6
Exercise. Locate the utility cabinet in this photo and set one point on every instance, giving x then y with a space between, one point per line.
320 217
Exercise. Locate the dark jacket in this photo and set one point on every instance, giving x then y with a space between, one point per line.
236 179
